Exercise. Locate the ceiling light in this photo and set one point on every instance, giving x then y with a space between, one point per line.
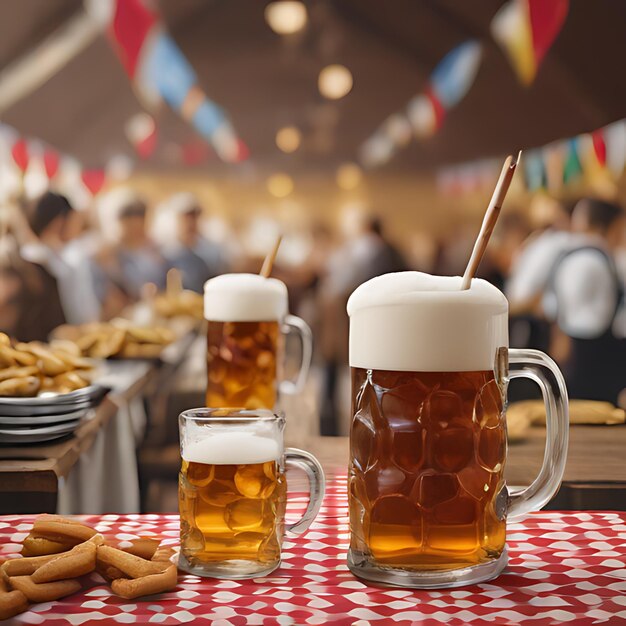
288 139
335 81
349 176
280 185
286 17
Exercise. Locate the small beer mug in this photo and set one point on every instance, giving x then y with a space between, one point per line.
247 316
430 369
232 492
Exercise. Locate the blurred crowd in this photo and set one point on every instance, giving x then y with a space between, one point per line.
564 276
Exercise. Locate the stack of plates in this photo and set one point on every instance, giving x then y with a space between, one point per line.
47 417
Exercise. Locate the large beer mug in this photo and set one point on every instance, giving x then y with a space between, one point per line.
430 368
247 316
232 492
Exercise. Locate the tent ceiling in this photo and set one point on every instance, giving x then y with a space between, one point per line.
265 81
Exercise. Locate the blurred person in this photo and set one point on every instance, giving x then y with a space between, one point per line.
53 222
586 299
178 227
30 304
130 259
530 271
365 253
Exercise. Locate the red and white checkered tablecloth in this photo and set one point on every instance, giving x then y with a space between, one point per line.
565 567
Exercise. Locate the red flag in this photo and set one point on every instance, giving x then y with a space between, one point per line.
19 152
93 180
51 163
132 21
546 20
599 147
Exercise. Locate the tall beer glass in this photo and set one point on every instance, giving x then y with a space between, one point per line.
232 492
430 368
247 316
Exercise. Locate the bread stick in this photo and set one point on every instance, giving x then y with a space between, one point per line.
108 572
129 564
62 530
44 592
163 554
144 547
12 603
146 585
39 546
79 561
26 565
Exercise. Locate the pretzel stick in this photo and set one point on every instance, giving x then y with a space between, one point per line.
144 547
44 592
268 263
163 554
61 531
108 572
490 218
40 546
131 565
77 562
26 565
147 585
12 603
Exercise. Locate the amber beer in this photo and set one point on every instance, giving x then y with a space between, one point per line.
242 364
247 315
427 472
231 511
430 366
232 491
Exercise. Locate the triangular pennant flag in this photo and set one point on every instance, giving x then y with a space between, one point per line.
93 180
455 73
534 170
526 29
572 168
20 154
599 147
51 161
615 141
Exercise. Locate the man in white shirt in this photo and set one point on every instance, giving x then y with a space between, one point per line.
50 222
586 299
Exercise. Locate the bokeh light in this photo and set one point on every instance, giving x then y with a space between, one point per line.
280 185
335 82
286 17
349 176
288 139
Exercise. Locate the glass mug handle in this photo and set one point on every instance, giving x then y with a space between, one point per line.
300 327
317 483
540 368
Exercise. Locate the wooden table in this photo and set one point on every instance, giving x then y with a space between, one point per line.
30 475
595 474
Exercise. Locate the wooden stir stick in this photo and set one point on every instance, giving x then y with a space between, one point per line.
490 219
268 264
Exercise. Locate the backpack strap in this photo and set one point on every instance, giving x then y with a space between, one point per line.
619 288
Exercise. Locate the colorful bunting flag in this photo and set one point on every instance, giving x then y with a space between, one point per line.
615 141
572 168
51 160
425 113
594 159
455 74
161 72
93 180
20 154
526 29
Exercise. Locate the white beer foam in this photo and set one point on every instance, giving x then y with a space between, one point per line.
411 321
244 298
232 448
